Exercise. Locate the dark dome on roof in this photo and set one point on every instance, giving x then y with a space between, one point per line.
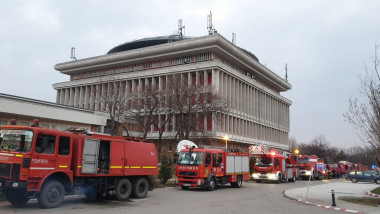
146 42
159 40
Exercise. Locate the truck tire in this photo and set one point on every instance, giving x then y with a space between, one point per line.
51 194
238 183
211 185
17 198
140 187
123 189
279 179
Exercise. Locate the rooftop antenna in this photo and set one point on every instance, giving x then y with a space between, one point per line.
286 72
210 27
181 29
73 54
234 38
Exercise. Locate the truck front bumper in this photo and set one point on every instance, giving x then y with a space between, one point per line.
265 176
305 173
12 185
191 182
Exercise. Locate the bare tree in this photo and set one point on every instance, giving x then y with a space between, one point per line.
191 102
293 143
112 98
365 115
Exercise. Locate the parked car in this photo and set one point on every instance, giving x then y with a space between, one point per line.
356 176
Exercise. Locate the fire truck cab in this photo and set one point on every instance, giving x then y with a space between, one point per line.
310 168
209 167
272 166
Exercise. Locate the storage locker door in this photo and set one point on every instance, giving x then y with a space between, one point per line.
238 164
90 156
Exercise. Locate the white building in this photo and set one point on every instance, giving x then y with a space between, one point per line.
260 115
50 115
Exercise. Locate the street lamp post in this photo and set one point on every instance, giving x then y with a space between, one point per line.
226 139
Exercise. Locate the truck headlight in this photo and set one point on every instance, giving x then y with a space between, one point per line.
199 182
255 175
15 185
272 176
307 173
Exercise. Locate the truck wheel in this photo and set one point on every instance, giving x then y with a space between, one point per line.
211 185
279 179
51 195
123 189
17 198
90 191
238 183
258 181
140 187
184 188
354 180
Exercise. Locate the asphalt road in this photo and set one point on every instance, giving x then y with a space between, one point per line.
251 198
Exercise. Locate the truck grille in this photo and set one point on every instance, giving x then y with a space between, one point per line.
302 167
188 173
5 169
15 171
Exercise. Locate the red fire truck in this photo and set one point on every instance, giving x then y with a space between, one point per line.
310 167
47 164
208 167
273 166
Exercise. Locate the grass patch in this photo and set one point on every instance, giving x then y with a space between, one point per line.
376 191
375 202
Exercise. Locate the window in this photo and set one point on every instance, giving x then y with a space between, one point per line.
45 125
359 173
45 144
3 123
220 159
52 126
214 160
64 145
208 159
367 174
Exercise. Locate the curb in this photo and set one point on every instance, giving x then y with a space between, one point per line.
323 206
372 194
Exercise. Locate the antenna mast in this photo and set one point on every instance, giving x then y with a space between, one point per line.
181 29
234 38
73 54
286 72
210 27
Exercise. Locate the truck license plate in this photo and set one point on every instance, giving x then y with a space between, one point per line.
186 185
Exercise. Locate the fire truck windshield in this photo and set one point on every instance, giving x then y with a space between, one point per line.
264 161
190 159
16 140
303 160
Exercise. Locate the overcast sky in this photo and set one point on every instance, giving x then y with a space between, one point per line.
326 45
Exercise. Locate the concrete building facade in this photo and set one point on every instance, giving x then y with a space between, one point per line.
259 113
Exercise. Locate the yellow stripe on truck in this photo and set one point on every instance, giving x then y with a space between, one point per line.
135 167
62 166
116 167
149 167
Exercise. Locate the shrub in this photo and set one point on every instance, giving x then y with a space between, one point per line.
166 170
